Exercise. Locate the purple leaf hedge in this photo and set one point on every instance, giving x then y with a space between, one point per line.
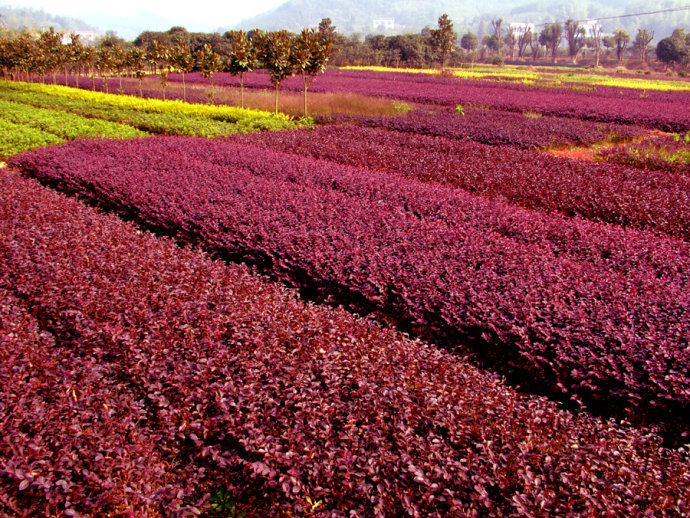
499 128
140 379
586 311
664 110
598 191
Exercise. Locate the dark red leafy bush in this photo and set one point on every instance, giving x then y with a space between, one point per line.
665 110
499 128
589 311
597 191
139 377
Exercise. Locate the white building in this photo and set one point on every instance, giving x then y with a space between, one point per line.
84 36
386 24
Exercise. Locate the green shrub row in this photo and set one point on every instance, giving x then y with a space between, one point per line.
63 124
22 137
151 122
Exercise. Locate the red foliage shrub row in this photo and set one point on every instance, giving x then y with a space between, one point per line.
595 312
597 191
140 378
662 110
499 128
668 153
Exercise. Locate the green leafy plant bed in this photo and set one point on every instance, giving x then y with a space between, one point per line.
63 124
21 137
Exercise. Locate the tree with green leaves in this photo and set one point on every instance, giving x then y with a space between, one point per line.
274 52
161 58
575 36
469 42
310 52
674 49
242 57
642 40
89 59
136 60
443 39
52 53
104 64
491 42
119 56
550 37
621 38
74 52
496 24
609 43
327 30
182 61
208 63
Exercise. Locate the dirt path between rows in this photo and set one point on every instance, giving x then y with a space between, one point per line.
590 152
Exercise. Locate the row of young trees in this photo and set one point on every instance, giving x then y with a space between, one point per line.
25 55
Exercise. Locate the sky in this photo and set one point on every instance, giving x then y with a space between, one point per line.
209 13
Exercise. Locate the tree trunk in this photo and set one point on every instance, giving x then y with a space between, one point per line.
241 89
277 87
184 89
304 82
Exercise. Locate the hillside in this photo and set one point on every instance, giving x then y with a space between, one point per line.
357 16
25 18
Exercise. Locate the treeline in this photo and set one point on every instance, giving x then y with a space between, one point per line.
29 56
569 41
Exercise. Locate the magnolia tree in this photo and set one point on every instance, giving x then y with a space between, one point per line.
310 53
275 51
242 58
209 63
182 61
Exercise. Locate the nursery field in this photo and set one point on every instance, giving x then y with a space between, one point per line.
472 301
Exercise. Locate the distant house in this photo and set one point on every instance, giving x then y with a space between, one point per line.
84 36
386 24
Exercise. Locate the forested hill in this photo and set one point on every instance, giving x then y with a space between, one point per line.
26 18
412 15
